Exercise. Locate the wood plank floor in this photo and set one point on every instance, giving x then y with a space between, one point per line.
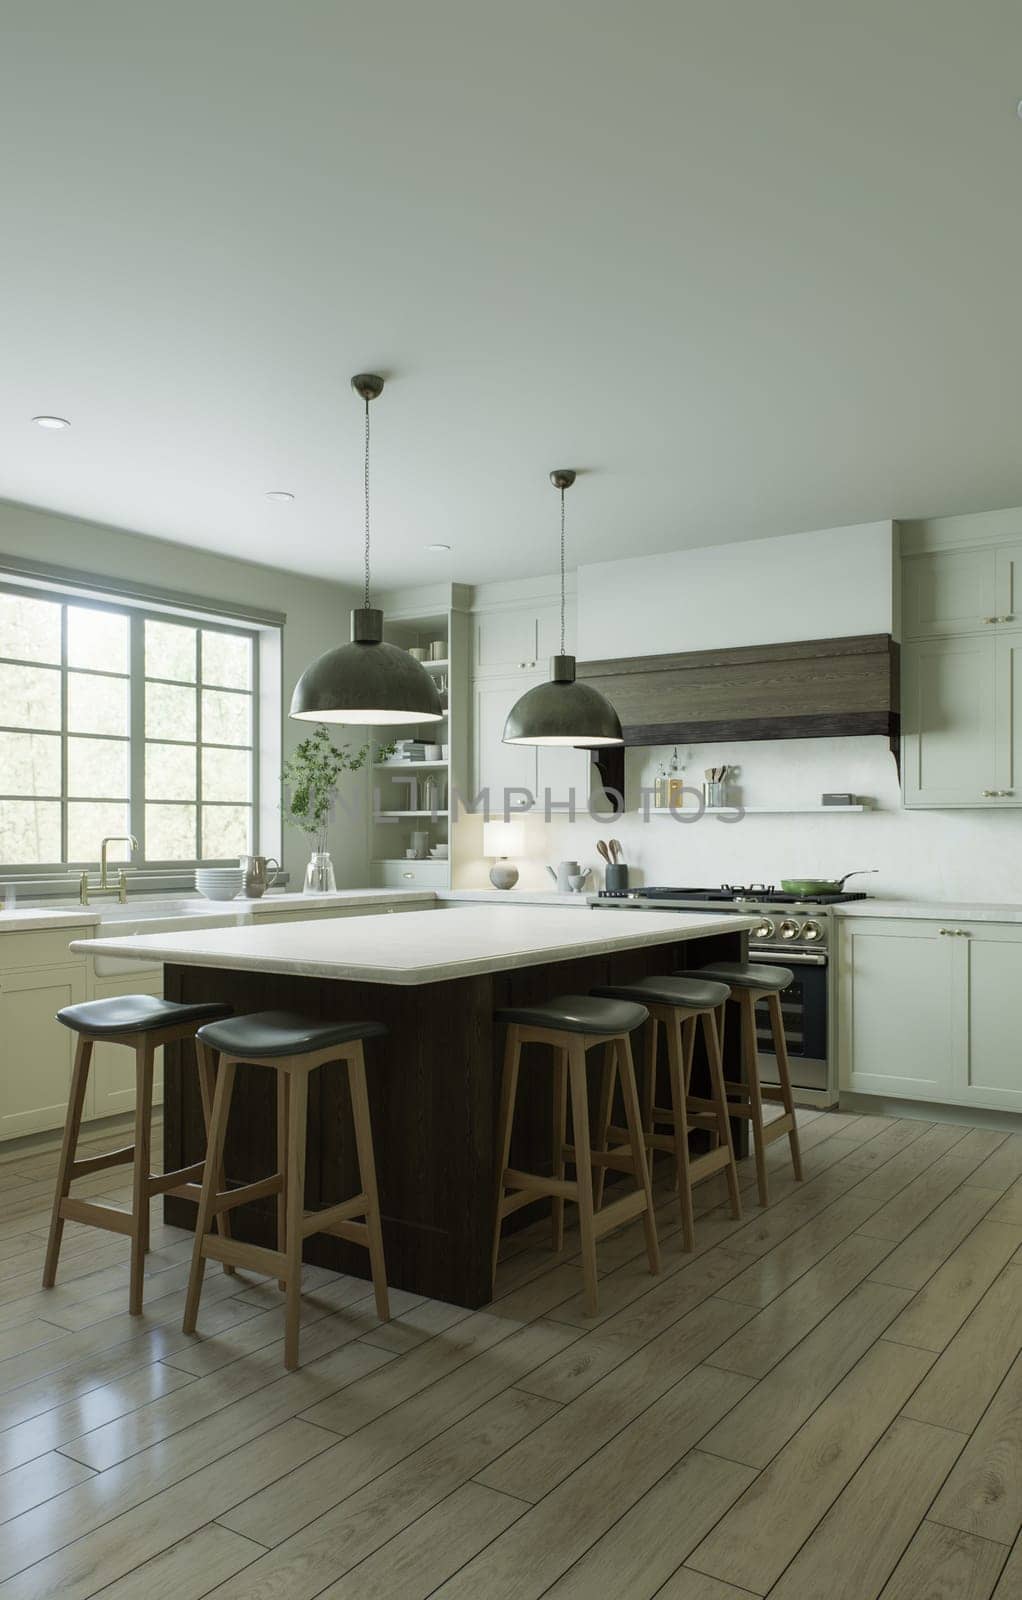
823 1402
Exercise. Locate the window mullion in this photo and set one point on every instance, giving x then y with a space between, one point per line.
136 727
63 736
199 842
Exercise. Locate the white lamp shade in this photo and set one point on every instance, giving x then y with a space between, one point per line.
503 839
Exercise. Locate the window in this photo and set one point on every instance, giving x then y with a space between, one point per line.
114 720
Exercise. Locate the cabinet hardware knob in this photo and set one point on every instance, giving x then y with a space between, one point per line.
1008 618
991 619
997 794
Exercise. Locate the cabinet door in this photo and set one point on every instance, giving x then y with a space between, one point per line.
36 1052
1009 583
112 1078
992 1065
1008 767
498 766
950 591
954 734
900 1018
506 641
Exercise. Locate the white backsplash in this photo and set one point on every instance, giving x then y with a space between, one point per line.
943 855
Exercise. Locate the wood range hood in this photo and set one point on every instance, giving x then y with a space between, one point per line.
809 689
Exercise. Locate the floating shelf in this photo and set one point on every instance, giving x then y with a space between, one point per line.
435 666
752 811
406 766
379 814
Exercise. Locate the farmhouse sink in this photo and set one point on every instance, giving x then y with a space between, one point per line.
156 916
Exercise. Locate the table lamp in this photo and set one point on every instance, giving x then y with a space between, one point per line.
500 840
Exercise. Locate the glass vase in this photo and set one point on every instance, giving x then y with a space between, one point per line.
319 874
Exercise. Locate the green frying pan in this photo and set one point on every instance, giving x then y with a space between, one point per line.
809 888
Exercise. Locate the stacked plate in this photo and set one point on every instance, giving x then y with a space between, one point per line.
219 883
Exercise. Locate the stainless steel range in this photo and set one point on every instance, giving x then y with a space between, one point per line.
790 932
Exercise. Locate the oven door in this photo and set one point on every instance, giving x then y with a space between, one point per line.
804 1011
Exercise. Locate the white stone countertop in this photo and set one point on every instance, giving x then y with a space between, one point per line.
513 897
418 947
935 910
34 918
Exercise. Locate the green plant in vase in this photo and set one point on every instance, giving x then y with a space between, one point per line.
311 775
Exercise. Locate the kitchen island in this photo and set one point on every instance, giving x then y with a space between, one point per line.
435 978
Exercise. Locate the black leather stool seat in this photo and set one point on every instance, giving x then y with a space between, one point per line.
578 1013
263 1034
136 1013
749 975
696 993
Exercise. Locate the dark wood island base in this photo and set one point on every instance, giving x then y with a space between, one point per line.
433 1092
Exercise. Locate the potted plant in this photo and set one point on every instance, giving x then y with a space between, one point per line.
311 776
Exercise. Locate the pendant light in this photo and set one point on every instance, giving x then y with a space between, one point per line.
562 712
368 680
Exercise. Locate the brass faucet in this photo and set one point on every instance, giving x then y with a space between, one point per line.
105 886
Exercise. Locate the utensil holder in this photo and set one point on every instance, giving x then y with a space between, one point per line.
616 877
714 796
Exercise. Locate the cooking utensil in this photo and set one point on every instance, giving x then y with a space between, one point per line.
603 851
809 888
616 851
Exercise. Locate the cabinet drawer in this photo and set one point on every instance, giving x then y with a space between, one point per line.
49 947
411 874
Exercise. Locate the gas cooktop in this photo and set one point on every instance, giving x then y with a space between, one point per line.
760 893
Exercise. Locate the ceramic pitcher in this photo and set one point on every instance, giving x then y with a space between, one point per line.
260 873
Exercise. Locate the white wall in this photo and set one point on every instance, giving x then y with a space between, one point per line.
953 855
762 591
317 618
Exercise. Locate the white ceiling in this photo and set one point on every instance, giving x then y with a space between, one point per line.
754 264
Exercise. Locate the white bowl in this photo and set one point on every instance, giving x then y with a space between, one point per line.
219 883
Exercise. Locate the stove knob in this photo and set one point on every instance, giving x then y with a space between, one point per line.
812 931
763 929
788 929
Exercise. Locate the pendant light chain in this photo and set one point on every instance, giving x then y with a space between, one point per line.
562 571
366 476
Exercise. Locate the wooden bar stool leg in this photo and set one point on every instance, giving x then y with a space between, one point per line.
679 1064
603 1115
633 1118
560 1139
297 1111
750 1061
141 1174
214 1159
784 1076
367 1169
719 1097
204 1061
69 1144
508 1090
282 1167
583 1168
649 1078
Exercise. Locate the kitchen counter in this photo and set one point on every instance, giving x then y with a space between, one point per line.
418 947
34 918
437 979
934 910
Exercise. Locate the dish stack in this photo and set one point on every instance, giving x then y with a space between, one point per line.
413 750
219 883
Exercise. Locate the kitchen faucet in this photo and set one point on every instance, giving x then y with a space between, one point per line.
105 887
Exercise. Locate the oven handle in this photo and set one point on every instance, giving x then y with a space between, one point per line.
785 958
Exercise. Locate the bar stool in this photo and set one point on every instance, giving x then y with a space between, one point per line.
143 1023
750 982
293 1046
678 1004
573 1025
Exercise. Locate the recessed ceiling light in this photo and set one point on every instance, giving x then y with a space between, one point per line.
281 496
51 422
440 549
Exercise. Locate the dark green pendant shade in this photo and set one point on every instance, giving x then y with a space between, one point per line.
366 681
563 712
